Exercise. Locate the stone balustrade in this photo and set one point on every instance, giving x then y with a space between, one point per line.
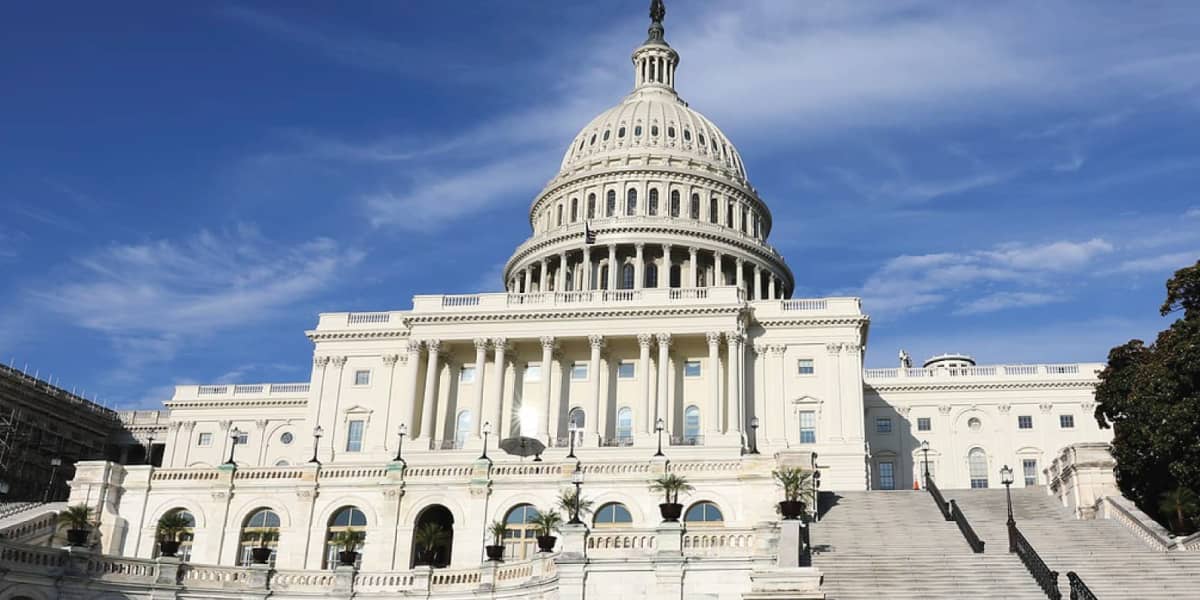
1049 371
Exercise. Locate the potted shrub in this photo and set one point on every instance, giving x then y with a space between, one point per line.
349 540
547 522
670 485
78 520
496 550
428 539
797 488
170 527
261 554
1178 506
570 501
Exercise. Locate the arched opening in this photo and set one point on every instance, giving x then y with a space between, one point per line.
434 515
652 203
260 530
591 207
186 536
631 203
346 519
675 276
625 426
691 425
704 513
978 467
712 210
675 203
694 209
627 277
603 277
462 428
651 276
574 209
613 514
560 215
520 535
576 420
610 203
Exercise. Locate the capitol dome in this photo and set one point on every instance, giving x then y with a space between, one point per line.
650 194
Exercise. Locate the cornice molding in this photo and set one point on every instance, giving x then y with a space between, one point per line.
926 386
815 321
596 313
245 403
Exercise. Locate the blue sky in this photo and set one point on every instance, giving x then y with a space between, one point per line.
185 185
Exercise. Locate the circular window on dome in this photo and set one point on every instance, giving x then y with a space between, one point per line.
670 132
606 132
637 131
593 142
286 438
974 424
621 132
654 130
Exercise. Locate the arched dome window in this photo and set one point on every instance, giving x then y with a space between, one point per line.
621 132
613 514
757 224
625 426
745 218
520 534
574 209
593 141
714 212
606 132
702 145
631 203
704 512
691 425
978 466
729 215
627 277
637 131
694 209
652 203
347 518
654 131
671 132
651 276
610 204
591 207
185 537
675 203
560 215
462 428
687 135
261 530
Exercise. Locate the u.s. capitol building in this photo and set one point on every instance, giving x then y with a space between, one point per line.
647 310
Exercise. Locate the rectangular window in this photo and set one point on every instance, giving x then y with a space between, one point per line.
1029 468
691 368
354 436
204 439
805 366
883 424
625 370
924 424
467 374
533 372
579 370
1025 422
362 377
808 427
243 438
1066 421
887 476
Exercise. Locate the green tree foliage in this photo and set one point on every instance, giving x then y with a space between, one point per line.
1150 396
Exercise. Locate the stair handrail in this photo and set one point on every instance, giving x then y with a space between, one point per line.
1046 578
937 497
1079 589
966 529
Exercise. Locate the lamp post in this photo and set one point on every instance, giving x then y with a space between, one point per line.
55 463
816 489
487 430
577 479
317 433
150 450
659 426
925 462
754 435
571 437
1006 477
234 434
400 446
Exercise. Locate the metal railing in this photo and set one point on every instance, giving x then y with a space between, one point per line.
687 440
1079 589
965 527
1046 578
937 497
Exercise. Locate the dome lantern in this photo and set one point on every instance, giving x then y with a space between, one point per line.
655 61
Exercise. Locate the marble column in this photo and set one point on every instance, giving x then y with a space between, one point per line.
408 402
481 345
733 400
587 269
544 275
771 287
645 415
639 266
760 393
756 295
549 416
741 276
528 279
496 404
592 420
664 274
712 420
561 277
694 269
718 276
612 266
428 408
664 375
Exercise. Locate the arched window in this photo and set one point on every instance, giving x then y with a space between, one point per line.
625 426
675 276
978 466
593 142
631 203
576 421
282 462
652 203
651 276
261 530
694 209
713 211
675 203
462 428
637 131
703 512
729 215
574 209
654 130
627 277
603 278
670 132
610 207
185 537
591 208
520 534
613 514
570 280
430 520
687 135
347 518
621 132
691 425
560 214
745 218
756 226
701 142
606 132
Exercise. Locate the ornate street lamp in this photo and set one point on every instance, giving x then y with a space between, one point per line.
400 446
317 433
754 435
234 434
659 426
925 462
1006 477
487 430
571 437
577 479
55 463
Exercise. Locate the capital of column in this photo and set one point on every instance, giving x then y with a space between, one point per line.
433 346
760 349
692 250
778 350
189 425
481 344
713 337
414 347
391 359
851 348
500 343
833 347
664 339
640 246
320 361
338 361
548 343
596 342
645 339
734 337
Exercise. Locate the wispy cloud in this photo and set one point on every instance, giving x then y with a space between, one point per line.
1163 263
1193 213
1005 300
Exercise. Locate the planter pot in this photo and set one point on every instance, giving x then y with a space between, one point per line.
546 543
168 548
670 511
261 556
791 509
78 537
425 557
347 558
495 553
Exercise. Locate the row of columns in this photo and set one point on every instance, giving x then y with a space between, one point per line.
553 276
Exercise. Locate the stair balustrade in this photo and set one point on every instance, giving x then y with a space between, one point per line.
1046 578
937 497
965 527
1079 589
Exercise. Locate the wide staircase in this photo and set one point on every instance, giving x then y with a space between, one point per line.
1110 559
897 545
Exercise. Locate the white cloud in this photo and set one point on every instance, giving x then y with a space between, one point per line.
147 297
1193 213
1005 300
1163 263
1071 165
1055 256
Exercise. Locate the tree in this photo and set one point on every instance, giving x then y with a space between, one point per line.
1150 396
